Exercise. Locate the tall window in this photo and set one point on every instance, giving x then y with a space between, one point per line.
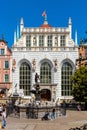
62 40
25 78
45 73
49 41
41 40
6 64
2 51
6 78
66 72
28 40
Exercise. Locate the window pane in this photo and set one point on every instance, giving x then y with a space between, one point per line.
6 78
45 73
62 40
66 72
2 51
28 40
6 64
25 78
41 40
49 41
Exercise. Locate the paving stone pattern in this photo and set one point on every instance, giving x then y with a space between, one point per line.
71 120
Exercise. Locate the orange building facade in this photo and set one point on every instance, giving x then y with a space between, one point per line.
5 68
83 53
82 60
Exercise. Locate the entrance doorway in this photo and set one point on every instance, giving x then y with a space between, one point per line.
46 95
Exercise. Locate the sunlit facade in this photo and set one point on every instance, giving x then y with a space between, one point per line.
49 51
5 68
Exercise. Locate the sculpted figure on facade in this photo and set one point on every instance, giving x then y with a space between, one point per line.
56 41
55 64
34 64
13 65
34 41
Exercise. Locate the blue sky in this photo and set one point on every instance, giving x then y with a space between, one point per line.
58 12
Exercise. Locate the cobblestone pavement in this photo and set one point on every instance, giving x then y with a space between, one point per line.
71 120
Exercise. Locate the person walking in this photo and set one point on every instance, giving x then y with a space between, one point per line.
79 107
53 114
3 118
0 109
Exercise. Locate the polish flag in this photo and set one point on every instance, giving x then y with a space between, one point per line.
44 13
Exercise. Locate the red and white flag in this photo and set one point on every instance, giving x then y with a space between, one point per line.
44 13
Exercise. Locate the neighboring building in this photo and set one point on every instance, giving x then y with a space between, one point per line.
48 51
82 60
5 68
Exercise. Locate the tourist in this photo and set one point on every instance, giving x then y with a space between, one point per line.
46 116
53 114
0 109
3 118
59 112
79 107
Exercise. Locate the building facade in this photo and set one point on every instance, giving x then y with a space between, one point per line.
48 51
82 60
5 68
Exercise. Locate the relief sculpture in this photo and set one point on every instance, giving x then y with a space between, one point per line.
34 64
55 64
13 65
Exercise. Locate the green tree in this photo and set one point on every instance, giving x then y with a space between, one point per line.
79 84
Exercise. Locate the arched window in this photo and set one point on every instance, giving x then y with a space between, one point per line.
25 78
45 73
66 72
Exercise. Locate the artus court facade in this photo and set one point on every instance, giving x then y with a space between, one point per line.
48 51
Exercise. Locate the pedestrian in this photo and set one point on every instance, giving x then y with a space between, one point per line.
79 107
3 118
59 112
0 109
53 114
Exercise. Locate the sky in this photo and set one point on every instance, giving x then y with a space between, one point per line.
58 12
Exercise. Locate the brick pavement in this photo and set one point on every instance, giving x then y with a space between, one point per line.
71 120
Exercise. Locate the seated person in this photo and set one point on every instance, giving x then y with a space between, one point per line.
46 116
